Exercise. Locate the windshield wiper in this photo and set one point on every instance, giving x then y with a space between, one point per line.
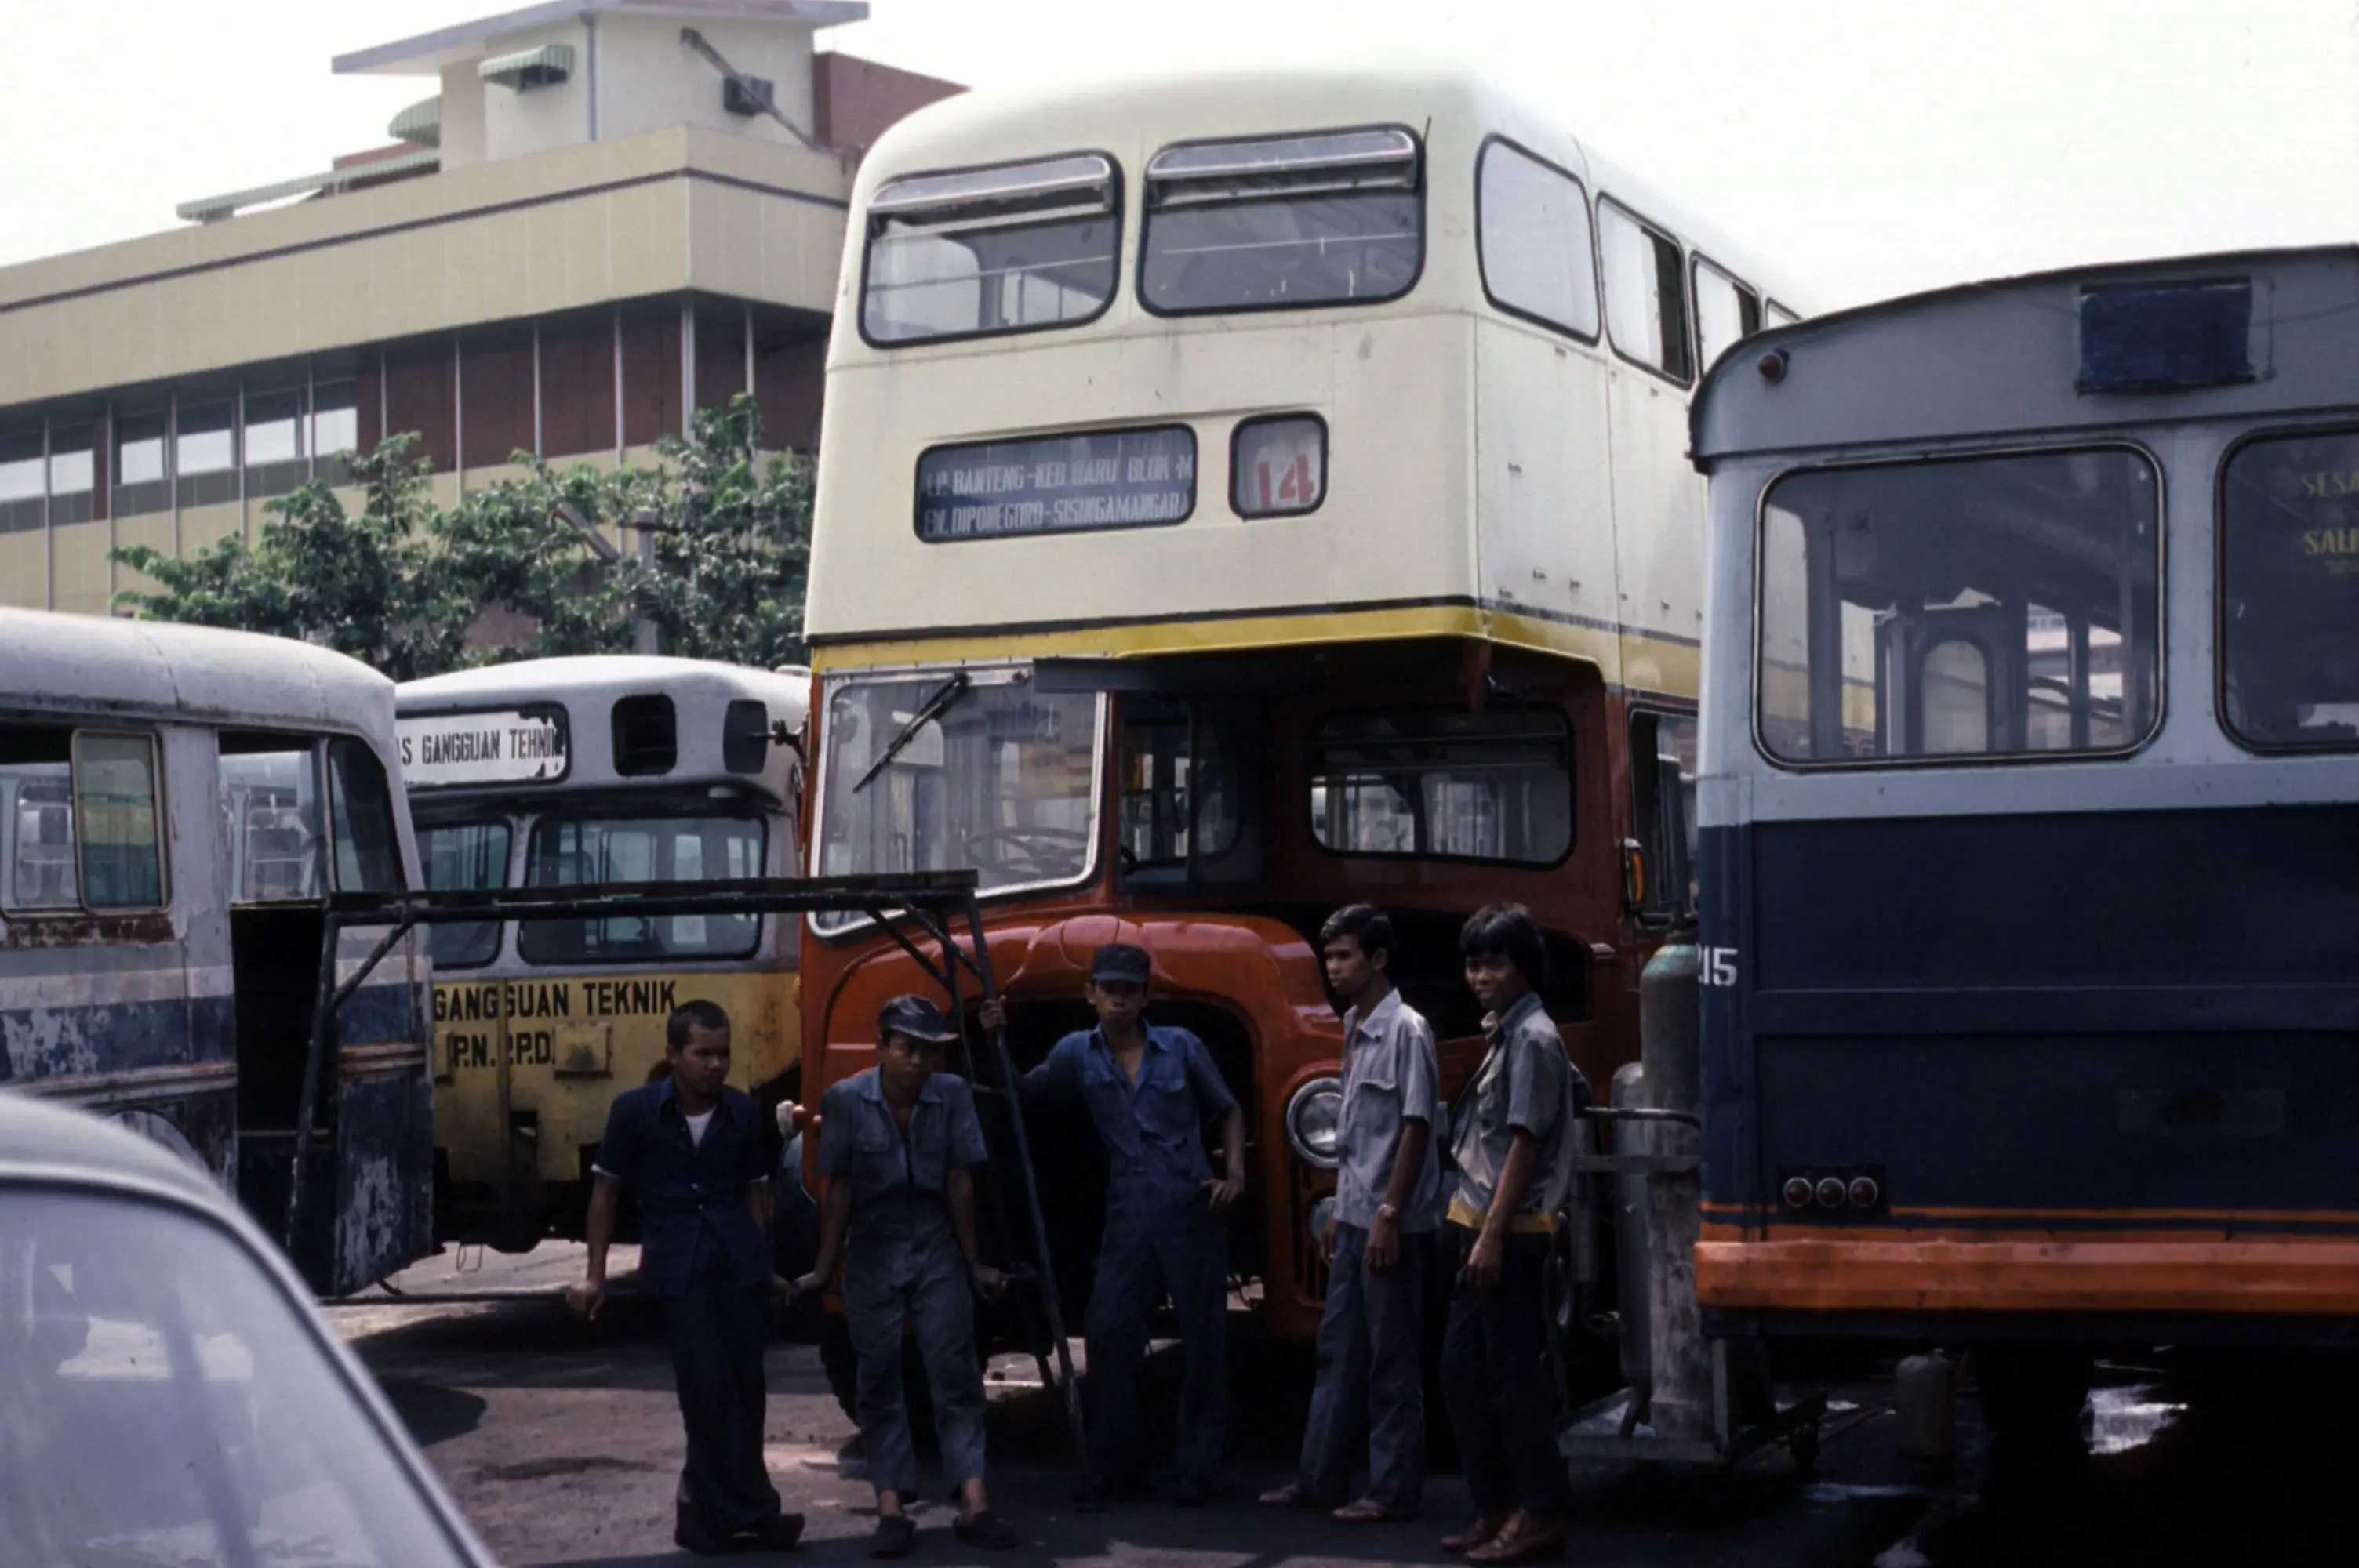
947 695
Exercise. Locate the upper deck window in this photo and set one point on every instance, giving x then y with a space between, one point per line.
2000 606
1726 311
1329 219
1646 292
2289 591
1535 253
1014 248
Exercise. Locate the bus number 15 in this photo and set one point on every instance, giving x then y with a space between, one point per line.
1718 966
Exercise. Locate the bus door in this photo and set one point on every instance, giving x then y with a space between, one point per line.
302 815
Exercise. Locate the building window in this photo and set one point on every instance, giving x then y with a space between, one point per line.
275 462
335 430
139 465
73 473
20 480
205 454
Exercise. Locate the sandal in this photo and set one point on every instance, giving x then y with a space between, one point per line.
1482 1532
1368 1511
896 1534
985 1529
1291 1495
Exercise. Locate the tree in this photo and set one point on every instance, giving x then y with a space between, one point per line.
398 584
360 584
729 559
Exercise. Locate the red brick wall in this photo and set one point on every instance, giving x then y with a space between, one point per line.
855 99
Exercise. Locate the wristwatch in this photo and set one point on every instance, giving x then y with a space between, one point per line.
1386 1211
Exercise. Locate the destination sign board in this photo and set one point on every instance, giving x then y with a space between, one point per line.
505 746
1106 479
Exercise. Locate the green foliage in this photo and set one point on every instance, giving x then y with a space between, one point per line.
715 552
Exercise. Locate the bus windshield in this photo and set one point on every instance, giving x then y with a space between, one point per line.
565 851
1318 220
473 856
2289 590
1966 608
996 777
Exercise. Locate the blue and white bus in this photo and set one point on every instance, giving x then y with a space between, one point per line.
177 806
2030 818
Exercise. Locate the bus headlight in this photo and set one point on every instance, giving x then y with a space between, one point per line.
1314 1122
1278 468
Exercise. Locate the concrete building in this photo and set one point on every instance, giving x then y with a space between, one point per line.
608 213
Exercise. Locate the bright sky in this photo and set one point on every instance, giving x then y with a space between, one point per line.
1876 147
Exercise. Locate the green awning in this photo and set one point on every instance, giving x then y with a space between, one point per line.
543 67
420 124
211 208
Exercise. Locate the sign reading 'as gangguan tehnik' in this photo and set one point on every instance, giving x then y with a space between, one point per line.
1108 478
511 746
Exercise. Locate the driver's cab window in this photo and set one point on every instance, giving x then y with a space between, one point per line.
1182 812
1658 867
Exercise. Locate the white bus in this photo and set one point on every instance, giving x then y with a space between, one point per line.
177 805
592 773
1246 494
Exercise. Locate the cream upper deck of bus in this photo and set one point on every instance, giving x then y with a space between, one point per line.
1470 485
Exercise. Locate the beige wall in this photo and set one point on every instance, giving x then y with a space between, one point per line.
463 137
25 569
647 78
517 124
587 226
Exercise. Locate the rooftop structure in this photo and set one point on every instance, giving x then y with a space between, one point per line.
610 214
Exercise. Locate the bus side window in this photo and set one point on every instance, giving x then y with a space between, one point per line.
1663 814
1726 311
36 789
270 815
368 856
1646 293
118 820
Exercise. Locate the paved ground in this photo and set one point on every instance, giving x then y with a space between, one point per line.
562 1443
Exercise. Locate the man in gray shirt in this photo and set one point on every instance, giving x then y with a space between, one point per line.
1511 1139
1387 1206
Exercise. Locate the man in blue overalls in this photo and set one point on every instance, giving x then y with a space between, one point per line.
897 1145
1149 1090
689 1148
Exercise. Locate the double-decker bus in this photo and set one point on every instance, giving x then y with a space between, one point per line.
595 772
2030 862
177 806
1245 494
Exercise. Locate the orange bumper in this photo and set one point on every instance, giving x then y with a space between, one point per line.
1889 1275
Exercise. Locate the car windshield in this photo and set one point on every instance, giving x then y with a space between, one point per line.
163 1401
1002 780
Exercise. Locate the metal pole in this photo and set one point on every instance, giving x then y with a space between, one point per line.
307 1108
1680 1358
1048 1293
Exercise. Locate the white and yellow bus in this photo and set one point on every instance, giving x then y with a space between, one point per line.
592 772
1242 494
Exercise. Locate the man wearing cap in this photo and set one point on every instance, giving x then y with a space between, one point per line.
1149 1090
897 1144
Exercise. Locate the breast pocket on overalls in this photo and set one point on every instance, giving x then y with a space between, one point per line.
876 1162
930 1155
